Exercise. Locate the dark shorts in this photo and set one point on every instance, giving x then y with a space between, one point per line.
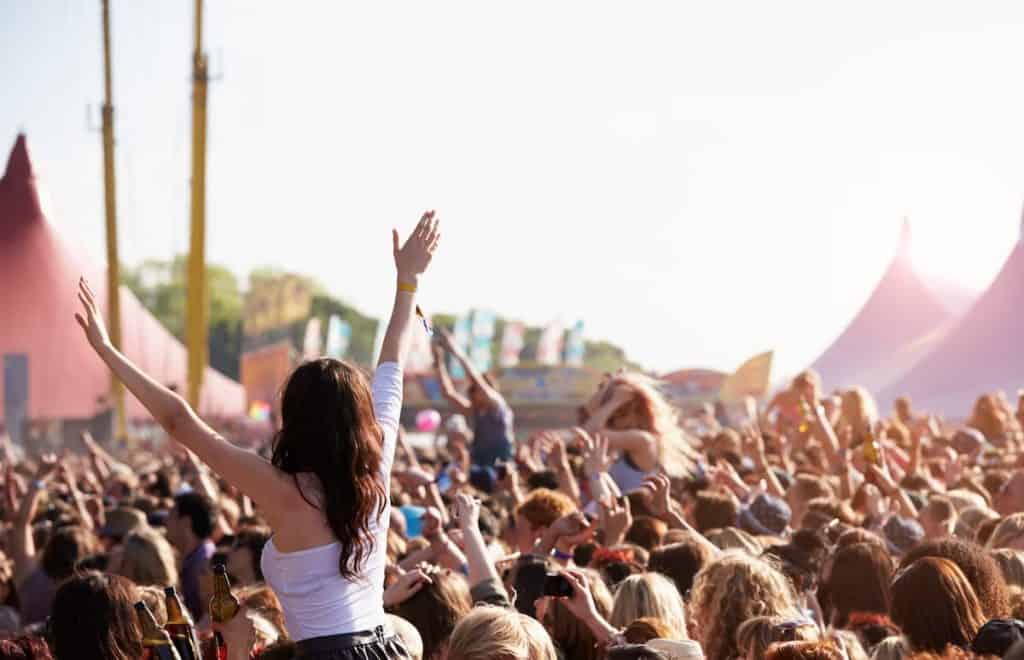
370 645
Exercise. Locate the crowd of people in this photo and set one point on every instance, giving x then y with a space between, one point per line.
815 528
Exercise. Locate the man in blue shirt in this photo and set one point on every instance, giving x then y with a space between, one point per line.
190 529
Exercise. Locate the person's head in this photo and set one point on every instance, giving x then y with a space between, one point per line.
571 635
766 515
145 558
856 579
815 650
653 595
938 518
646 532
714 510
328 428
93 618
934 605
680 562
65 547
981 570
244 558
191 521
408 634
25 647
805 489
649 410
497 633
436 608
728 591
536 513
807 385
904 410
989 417
756 635
1011 565
1009 533
645 629
858 409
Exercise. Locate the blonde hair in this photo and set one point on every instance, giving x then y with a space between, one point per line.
156 601
730 590
1008 530
148 559
757 634
650 411
497 633
649 595
1011 563
858 408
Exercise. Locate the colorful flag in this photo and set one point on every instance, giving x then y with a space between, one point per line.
420 359
483 332
512 342
549 348
311 344
463 334
339 335
751 379
574 346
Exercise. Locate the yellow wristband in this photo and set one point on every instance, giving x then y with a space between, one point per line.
408 288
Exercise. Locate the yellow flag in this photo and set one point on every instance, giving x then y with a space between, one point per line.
751 379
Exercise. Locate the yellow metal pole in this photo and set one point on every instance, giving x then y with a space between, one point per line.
196 307
113 263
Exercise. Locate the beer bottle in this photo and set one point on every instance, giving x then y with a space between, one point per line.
223 606
871 450
180 627
807 415
155 641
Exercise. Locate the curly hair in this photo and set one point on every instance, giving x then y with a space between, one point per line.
730 590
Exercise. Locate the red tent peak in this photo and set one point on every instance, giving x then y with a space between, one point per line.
19 165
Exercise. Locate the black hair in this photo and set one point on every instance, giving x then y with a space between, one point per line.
200 510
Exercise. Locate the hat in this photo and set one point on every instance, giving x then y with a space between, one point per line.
997 636
765 516
902 534
121 522
457 424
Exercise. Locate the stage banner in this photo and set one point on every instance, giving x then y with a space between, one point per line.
264 370
463 334
575 348
482 330
549 348
753 378
339 335
512 342
311 345
420 359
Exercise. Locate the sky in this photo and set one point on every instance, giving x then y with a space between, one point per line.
698 182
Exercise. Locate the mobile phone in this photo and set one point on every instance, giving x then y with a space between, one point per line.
556 584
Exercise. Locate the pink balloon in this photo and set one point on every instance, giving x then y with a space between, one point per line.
428 421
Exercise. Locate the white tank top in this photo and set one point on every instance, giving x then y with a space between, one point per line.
316 600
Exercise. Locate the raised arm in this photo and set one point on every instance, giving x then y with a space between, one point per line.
252 474
472 372
459 402
411 261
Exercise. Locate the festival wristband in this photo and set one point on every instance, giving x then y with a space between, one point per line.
407 288
558 554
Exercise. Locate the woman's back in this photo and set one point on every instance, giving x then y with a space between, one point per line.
317 600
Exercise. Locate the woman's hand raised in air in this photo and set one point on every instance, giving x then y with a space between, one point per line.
413 258
92 320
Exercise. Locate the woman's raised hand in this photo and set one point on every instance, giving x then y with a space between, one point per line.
413 258
92 321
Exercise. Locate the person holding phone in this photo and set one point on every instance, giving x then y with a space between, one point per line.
325 491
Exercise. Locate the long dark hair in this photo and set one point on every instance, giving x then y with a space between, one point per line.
328 427
93 618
